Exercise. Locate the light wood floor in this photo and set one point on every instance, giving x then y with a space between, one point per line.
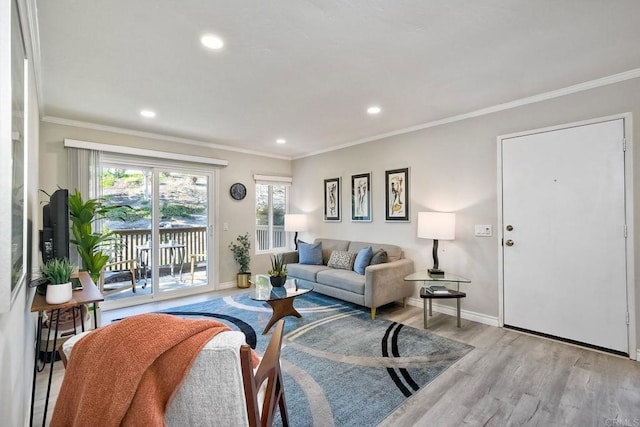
510 378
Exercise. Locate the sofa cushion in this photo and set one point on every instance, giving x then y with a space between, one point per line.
363 259
310 253
380 257
394 252
347 280
330 245
304 271
341 259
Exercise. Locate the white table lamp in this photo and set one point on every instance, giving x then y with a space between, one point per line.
436 226
295 222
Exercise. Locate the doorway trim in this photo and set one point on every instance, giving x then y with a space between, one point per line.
634 352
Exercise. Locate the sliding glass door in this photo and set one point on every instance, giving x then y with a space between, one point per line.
162 224
182 232
130 188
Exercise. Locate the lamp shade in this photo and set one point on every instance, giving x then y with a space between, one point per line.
295 222
437 225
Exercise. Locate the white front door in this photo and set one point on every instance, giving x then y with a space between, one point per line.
563 219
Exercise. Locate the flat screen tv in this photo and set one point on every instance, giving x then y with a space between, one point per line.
54 236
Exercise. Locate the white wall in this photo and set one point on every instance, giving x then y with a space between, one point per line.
17 327
453 167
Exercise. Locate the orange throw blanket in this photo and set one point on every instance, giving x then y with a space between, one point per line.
126 373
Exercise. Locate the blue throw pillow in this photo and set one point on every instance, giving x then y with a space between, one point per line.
310 253
363 259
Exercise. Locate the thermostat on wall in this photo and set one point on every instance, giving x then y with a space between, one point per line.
483 231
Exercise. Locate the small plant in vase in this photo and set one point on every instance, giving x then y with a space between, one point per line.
58 271
241 255
278 271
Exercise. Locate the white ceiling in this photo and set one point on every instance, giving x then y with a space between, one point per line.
305 70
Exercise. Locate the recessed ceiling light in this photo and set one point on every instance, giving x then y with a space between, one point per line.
148 113
212 41
374 110
281 141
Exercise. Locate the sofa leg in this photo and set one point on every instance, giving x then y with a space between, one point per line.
404 302
373 313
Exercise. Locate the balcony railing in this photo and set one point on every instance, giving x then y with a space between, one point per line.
262 237
194 240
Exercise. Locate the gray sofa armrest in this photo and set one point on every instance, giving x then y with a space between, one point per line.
288 257
384 283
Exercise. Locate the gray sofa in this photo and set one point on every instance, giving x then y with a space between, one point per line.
380 285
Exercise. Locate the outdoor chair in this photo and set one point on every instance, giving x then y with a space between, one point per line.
118 280
194 263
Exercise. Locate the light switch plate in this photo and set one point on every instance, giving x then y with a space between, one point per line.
484 230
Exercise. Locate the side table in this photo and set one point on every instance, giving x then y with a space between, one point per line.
426 279
89 294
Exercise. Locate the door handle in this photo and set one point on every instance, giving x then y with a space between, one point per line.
509 242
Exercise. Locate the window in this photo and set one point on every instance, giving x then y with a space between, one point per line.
272 202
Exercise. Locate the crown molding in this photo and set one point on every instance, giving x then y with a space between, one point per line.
157 136
33 47
580 87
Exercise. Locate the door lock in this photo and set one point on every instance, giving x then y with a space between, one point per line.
509 227
509 242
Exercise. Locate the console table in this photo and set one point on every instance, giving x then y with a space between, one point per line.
427 279
89 294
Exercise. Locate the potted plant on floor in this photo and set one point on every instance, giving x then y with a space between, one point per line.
90 245
58 271
278 272
241 255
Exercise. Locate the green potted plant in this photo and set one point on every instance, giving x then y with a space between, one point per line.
90 245
58 271
278 271
243 258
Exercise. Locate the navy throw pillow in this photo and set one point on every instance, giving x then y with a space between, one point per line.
363 259
310 253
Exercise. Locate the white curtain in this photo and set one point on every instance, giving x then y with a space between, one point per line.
84 173
84 176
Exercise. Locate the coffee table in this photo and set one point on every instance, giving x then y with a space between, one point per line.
280 299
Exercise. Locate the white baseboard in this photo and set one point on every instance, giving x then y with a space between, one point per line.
477 317
465 314
226 285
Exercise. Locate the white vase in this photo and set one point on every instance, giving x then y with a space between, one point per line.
59 294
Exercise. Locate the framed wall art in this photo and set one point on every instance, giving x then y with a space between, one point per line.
361 197
397 194
332 199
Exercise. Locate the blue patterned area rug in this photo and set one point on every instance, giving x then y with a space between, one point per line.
340 367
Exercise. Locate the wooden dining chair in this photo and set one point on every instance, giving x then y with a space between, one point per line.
268 372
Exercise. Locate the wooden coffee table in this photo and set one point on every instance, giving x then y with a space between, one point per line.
280 299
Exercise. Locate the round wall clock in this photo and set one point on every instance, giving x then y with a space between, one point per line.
238 191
